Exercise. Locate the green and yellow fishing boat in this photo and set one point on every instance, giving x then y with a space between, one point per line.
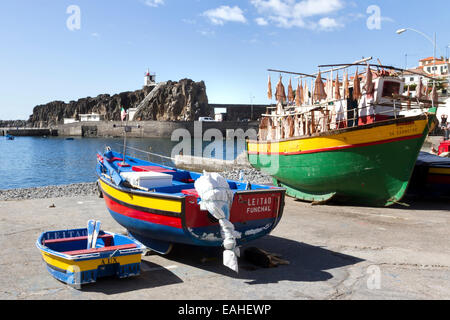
320 152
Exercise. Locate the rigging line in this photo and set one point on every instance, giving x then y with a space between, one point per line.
154 154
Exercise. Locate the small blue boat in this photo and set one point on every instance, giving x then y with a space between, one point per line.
9 137
68 259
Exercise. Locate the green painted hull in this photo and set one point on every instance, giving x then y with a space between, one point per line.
374 175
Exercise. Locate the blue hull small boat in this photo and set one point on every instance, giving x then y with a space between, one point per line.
68 259
9 137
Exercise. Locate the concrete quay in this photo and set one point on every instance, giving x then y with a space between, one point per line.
335 252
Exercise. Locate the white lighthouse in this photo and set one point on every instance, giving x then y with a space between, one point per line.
150 79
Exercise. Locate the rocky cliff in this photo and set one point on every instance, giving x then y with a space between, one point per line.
168 101
12 123
185 100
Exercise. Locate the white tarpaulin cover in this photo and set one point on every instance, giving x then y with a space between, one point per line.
217 197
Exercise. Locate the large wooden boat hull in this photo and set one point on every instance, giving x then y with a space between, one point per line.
158 219
369 165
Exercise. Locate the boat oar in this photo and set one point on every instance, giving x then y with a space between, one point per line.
96 232
90 231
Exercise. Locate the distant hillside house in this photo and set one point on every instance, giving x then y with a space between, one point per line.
440 67
90 117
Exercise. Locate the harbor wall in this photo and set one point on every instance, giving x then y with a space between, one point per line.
28 132
147 129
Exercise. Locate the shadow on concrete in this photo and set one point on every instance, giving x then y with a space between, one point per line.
424 203
409 202
158 277
307 263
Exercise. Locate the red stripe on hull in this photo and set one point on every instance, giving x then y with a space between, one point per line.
144 216
439 179
337 148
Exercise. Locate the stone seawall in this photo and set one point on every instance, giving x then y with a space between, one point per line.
28 132
147 129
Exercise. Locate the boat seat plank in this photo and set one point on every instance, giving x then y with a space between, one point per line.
103 237
103 249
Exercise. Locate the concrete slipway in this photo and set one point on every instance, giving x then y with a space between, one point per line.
335 252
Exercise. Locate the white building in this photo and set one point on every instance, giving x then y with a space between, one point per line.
131 113
90 117
430 66
150 79
412 76
69 120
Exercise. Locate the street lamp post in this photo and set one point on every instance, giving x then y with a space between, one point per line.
251 101
447 63
400 31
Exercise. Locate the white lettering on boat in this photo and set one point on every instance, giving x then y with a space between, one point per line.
65 234
259 205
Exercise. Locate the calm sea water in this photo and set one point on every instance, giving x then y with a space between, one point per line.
35 161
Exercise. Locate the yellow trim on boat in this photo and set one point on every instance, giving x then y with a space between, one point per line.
345 139
439 170
76 266
142 201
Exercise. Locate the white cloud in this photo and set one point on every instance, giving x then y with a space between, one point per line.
261 21
328 24
207 33
387 19
293 13
154 3
225 14
95 35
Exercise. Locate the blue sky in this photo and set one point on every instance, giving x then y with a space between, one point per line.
228 44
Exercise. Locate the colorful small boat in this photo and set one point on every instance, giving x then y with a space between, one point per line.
159 205
336 145
68 259
431 176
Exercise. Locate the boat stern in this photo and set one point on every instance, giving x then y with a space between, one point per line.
254 214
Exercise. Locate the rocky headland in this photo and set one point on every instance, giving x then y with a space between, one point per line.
185 100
